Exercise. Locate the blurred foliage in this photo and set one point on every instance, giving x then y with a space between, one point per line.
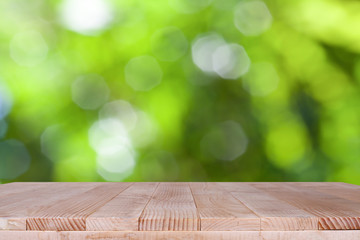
180 90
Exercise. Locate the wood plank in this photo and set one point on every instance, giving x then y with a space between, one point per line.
220 211
152 210
17 187
135 235
275 214
7 197
172 208
122 213
310 235
28 235
180 235
13 213
70 214
334 213
341 190
173 235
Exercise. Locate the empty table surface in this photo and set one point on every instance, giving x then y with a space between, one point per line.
196 210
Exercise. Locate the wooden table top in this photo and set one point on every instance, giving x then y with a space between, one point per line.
165 207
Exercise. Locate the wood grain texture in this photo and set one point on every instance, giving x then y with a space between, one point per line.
334 213
70 214
122 213
180 235
48 211
172 208
341 190
275 214
17 187
220 211
310 235
131 235
27 199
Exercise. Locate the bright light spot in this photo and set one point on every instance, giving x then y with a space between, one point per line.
90 91
117 165
6 101
226 141
143 73
145 131
230 61
115 153
203 49
28 48
252 17
169 44
138 124
120 110
212 54
87 17
14 160
120 128
3 128
189 6
261 80
119 161
50 141
107 135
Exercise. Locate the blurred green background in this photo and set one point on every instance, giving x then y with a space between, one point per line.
180 90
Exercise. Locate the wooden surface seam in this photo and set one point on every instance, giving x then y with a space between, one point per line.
179 207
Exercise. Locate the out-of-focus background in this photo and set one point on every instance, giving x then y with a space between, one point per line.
180 90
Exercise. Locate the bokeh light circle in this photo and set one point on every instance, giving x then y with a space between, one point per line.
119 163
120 110
203 48
143 73
230 61
88 17
225 141
14 160
107 135
116 156
145 131
28 48
6 100
90 91
50 142
169 44
252 18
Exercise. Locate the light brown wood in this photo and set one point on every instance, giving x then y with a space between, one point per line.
61 211
341 190
180 235
275 214
17 187
70 214
133 235
27 199
310 235
122 212
172 208
335 213
220 211
8 193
